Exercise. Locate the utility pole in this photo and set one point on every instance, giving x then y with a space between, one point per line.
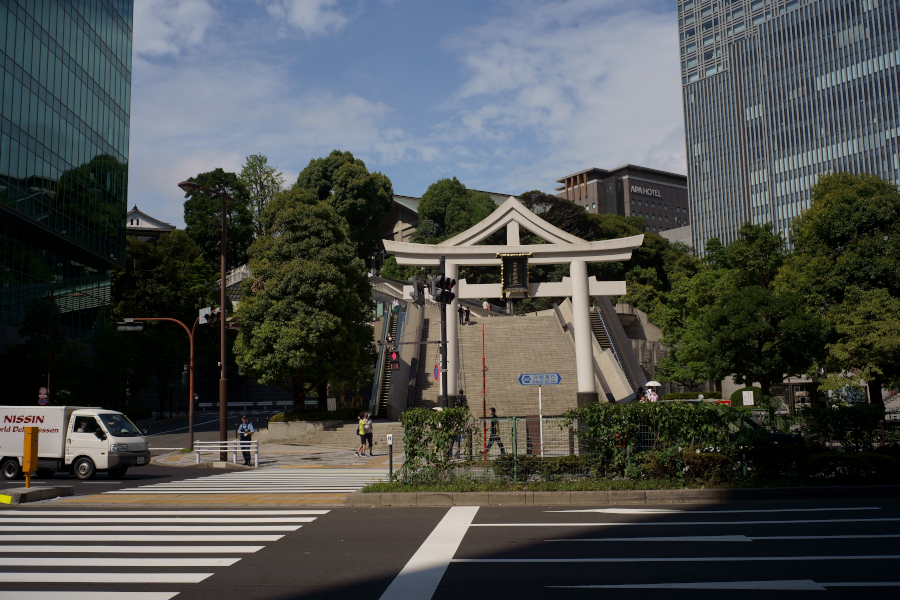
443 305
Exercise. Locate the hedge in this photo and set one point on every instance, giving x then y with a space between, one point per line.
341 414
737 397
692 395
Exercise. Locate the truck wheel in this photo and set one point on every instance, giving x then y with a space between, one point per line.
117 472
84 468
45 473
11 469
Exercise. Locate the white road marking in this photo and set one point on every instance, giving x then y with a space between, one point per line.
665 511
671 523
87 595
422 574
675 559
799 584
729 538
686 538
96 561
93 578
129 549
129 527
161 512
138 538
130 519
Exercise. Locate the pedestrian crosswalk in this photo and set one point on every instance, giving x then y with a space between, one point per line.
268 481
60 549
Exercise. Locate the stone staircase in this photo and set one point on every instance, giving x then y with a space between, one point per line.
346 436
427 389
532 344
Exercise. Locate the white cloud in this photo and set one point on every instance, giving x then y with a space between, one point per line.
170 26
312 17
592 83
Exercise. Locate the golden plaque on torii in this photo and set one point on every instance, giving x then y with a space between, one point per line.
514 273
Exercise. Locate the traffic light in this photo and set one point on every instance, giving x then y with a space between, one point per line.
186 377
442 289
395 360
418 290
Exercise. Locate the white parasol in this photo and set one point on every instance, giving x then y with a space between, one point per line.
653 384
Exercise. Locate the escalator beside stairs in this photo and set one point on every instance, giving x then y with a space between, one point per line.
598 326
384 392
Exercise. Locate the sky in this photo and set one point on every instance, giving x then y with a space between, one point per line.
505 95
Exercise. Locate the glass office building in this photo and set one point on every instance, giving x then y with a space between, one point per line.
65 80
777 92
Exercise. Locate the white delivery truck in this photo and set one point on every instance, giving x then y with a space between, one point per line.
72 439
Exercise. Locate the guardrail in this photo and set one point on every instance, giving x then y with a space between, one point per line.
272 403
233 446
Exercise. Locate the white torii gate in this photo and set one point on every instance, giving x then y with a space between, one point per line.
561 248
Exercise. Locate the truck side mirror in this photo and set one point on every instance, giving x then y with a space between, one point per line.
100 435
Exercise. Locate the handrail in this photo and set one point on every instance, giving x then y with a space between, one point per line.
219 447
597 372
379 364
615 349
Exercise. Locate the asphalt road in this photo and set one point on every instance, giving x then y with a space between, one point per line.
174 433
783 550
135 476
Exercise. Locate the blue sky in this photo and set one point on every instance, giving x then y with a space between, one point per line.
505 95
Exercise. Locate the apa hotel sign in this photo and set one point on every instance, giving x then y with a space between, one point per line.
645 191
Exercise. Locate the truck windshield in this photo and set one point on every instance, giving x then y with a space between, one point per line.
120 426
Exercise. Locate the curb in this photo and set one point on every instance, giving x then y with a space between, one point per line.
576 498
16 496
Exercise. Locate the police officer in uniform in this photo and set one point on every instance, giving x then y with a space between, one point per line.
245 433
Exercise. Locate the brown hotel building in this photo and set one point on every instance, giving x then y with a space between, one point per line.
661 198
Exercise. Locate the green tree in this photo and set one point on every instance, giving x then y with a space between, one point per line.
169 278
262 181
203 218
305 317
362 198
448 208
846 249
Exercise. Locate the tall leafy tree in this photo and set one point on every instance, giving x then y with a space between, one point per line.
448 208
168 278
262 181
203 218
362 198
847 256
305 316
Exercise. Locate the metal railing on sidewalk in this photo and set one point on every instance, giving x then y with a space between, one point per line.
233 446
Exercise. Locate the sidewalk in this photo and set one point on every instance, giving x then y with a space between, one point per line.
290 456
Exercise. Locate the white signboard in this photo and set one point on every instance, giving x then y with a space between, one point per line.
747 397
390 439
332 404
204 313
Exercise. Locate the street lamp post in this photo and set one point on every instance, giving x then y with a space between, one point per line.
192 333
187 187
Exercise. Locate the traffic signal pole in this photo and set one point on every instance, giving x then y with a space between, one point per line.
444 373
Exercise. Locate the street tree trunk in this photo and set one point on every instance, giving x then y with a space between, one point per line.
299 392
322 392
875 392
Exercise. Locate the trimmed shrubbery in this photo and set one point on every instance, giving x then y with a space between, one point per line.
692 395
341 414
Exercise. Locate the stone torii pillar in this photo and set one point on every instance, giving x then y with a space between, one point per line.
581 315
452 270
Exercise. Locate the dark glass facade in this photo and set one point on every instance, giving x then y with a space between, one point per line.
777 92
65 81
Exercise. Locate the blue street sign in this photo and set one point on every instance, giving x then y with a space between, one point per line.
539 378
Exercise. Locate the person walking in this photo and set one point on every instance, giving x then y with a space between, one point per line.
245 433
495 432
461 313
367 427
361 430
467 315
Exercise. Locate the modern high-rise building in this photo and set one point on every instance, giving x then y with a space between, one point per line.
778 92
65 81
659 197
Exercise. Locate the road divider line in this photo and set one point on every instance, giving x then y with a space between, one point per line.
797 585
686 538
675 511
174 520
422 574
673 523
675 559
